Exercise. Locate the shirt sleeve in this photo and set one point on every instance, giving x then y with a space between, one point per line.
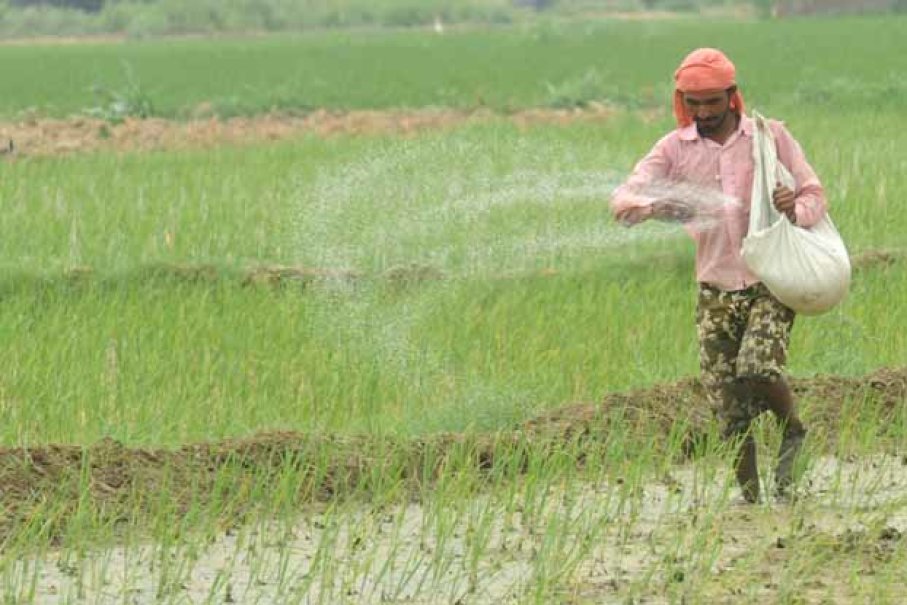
628 204
811 204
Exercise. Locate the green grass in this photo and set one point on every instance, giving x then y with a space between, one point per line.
785 64
543 299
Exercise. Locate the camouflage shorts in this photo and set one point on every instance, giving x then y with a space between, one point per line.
742 334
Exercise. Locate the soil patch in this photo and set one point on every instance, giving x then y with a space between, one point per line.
43 137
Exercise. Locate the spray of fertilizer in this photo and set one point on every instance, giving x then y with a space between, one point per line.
699 208
474 219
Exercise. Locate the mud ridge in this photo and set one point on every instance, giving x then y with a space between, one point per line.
288 277
49 137
277 275
122 482
665 405
878 258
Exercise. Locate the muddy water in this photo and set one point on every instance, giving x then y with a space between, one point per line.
607 546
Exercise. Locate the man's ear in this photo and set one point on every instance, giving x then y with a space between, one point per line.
730 91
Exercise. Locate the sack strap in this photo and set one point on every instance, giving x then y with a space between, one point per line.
767 171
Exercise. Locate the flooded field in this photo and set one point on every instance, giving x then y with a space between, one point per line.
683 535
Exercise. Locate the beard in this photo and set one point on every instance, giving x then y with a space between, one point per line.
713 124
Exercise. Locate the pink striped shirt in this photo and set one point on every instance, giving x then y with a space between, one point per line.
683 155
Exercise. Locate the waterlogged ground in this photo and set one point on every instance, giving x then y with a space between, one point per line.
563 510
684 535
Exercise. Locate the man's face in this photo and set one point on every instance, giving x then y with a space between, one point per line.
709 109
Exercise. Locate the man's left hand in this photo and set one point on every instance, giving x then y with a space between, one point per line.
785 202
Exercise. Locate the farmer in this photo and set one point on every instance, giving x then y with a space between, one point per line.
743 329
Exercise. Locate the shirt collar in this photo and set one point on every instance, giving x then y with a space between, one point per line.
689 133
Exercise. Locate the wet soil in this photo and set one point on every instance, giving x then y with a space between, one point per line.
655 541
120 481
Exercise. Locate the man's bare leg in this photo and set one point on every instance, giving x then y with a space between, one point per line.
747 470
776 394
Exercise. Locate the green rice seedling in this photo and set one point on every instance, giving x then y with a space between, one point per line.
434 537
220 589
562 546
477 537
324 563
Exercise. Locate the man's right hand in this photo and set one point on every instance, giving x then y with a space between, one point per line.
672 211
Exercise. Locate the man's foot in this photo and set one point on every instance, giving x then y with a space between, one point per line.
790 448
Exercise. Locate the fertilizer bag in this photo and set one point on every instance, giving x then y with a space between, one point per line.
806 269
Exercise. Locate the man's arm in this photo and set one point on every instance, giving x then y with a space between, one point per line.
807 205
628 204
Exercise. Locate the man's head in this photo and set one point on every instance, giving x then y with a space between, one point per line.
709 109
706 90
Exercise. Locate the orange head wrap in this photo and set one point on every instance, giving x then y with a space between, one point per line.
702 70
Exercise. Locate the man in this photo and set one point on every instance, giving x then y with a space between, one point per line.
743 329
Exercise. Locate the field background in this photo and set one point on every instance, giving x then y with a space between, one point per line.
467 279
471 351
547 64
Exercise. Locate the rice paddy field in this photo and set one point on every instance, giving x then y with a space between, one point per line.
412 358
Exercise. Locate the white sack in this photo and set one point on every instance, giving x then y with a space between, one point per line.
806 269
